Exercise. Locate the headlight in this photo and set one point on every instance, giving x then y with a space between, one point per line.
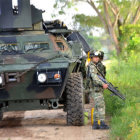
42 77
1 80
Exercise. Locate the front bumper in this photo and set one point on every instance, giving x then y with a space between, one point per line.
28 87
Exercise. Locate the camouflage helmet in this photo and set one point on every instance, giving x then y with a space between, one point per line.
95 54
101 55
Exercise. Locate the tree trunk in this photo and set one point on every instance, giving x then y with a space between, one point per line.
92 4
137 15
111 29
107 24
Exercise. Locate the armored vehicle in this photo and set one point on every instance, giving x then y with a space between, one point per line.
40 63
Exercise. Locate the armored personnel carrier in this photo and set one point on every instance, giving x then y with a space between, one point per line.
40 63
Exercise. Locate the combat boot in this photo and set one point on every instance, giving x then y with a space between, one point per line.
95 125
103 125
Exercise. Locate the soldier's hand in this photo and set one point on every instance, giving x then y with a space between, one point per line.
105 86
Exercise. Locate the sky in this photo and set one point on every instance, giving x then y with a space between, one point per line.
83 8
47 6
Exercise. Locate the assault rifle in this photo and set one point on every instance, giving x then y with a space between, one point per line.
112 88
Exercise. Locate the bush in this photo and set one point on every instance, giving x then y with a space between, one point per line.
124 123
125 74
130 38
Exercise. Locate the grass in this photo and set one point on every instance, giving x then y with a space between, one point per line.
125 74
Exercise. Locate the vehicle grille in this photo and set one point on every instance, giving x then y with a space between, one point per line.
12 77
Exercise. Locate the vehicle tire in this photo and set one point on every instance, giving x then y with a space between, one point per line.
1 115
75 100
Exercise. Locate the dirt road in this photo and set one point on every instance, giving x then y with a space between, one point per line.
45 125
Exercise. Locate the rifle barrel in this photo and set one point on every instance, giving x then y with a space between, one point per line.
112 88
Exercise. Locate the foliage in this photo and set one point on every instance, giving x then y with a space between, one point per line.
125 122
110 15
131 37
135 130
122 5
61 5
91 21
134 43
129 29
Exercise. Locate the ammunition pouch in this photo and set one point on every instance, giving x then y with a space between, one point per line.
97 88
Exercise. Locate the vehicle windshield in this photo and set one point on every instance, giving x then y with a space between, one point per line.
37 46
10 48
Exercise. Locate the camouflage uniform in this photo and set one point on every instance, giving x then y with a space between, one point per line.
97 93
102 68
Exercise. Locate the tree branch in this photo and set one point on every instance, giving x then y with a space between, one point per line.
137 15
109 23
116 20
81 0
115 11
134 3
127 17
90 2
113 8
110 27
97 11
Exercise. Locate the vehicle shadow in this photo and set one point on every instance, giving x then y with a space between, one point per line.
21 119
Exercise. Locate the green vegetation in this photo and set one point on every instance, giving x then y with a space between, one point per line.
125 73
123 27
111 15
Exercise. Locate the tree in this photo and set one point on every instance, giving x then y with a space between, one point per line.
131 35
111 15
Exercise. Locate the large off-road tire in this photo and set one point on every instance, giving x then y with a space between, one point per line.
1 115
75 100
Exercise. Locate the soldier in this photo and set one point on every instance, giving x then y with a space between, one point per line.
97 92
100 65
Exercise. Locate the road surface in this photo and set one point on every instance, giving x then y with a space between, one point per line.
45 125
